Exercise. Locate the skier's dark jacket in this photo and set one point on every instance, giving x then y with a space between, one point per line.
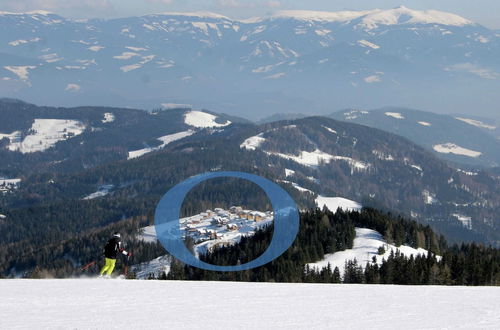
112 248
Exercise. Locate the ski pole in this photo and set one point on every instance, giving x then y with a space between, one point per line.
87 266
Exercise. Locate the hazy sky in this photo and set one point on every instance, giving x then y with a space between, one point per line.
486 12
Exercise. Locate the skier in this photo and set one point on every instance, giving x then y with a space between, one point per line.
111 250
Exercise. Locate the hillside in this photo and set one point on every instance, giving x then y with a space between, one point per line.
283 62
458 138
77 303
375 168
74 211
36 139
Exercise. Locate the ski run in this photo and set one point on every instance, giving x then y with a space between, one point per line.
132 304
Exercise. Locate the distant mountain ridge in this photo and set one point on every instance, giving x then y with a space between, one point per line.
459 138
285 62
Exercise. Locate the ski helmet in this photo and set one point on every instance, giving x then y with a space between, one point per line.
117 234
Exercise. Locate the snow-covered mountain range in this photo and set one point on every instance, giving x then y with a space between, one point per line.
289 61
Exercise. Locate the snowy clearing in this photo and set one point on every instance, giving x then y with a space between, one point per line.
120 304
366 43
424 123
317 157
365 247
108 118
167 139
45 133
101 192
451 148
476 123
253 142
95 48
299 188
465 220
22 72
429 198
396 115
7 185
333 203
202 120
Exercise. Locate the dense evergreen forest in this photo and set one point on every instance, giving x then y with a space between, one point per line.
322 232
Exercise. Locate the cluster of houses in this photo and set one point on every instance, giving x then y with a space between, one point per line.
212 225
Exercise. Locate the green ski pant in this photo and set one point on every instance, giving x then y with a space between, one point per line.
109 266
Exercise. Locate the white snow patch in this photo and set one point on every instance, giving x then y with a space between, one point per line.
136 49
322 32
476 123
253 142
289 172
396 115
372 79
45 133
276 76
155 267
167 139
22 41
149 27
333 203
365 247
8 185
316 157
21 71
429 198
101 192
148 234
382 155
108 118
126 56
465 220
417 167
475 69
424 123
96 48
366 43
202 120
329 129
131 67
299 188
482 39
451 148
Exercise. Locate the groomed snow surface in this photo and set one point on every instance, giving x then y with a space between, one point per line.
122 304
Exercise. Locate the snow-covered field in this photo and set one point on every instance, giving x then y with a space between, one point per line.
451 148
167 139
333 203
44 134
365 247
202 120
121 304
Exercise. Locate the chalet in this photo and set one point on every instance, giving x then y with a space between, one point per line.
258 216
232 227
235 209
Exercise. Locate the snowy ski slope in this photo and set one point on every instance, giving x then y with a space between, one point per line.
121 304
